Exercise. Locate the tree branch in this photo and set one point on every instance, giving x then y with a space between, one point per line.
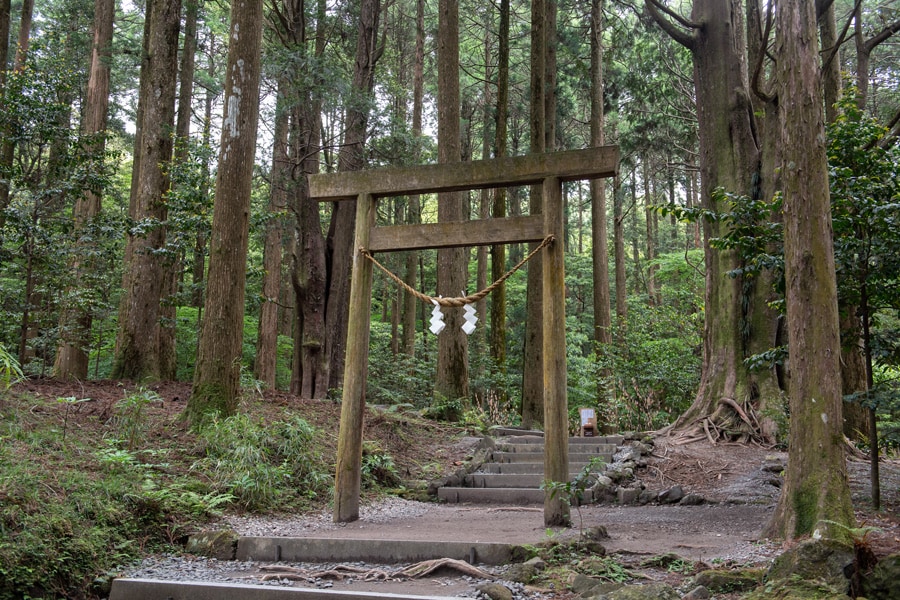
841 38
656 10
883 35
756 83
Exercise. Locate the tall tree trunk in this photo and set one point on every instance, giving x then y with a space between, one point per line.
198 271
484 206
339 244
532 371
831 65
267 339
619 256
137 343
174 264
216 388
730 158
75 322
413 214
5 14
853 364
498 208
599 249
309 373
452 379
7 145
816 492
651 234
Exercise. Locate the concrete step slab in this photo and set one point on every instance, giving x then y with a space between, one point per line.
523 468
539 449
515 496
318 550
533 457
490 480
491 495
615 440
151 589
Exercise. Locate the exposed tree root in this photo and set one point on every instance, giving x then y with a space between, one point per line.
731 421
429 566
340 572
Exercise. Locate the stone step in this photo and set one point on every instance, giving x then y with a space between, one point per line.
492 480
615 440
576 448
523 468
152 589
534 457
515 496
324 550
491 495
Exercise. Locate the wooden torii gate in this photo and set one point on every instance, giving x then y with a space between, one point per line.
548 170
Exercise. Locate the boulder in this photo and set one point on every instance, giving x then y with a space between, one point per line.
591 587
698 593
521 573
628 495
884 581
495 591
814 560
214 543
671 496
647 496
724 581
597 532
649 591
692 500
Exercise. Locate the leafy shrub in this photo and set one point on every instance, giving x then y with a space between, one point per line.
264 465
378 468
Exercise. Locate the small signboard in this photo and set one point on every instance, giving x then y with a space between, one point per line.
588 422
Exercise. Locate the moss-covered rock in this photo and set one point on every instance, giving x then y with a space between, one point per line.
884 582
822 560
649 591
795 588
220 544
723 581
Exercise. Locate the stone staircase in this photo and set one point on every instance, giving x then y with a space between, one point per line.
514 469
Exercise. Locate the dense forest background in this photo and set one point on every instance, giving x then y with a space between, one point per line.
111 151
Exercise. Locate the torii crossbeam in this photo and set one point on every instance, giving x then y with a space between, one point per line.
549 171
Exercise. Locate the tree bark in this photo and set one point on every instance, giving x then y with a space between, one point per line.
7 146
75 323
413 214
452 379
309 374
137 353
339 244
532 378
498 208
267 340
816 491
730 158
599 249
216 386
619 256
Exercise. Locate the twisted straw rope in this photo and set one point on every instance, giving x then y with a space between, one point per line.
461 301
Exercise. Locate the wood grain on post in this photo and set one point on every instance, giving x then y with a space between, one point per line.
353 403
556 410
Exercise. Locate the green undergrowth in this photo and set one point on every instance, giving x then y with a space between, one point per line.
85 489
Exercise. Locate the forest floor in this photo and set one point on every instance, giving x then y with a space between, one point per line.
726 530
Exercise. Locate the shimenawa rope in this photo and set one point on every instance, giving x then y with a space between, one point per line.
460 301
